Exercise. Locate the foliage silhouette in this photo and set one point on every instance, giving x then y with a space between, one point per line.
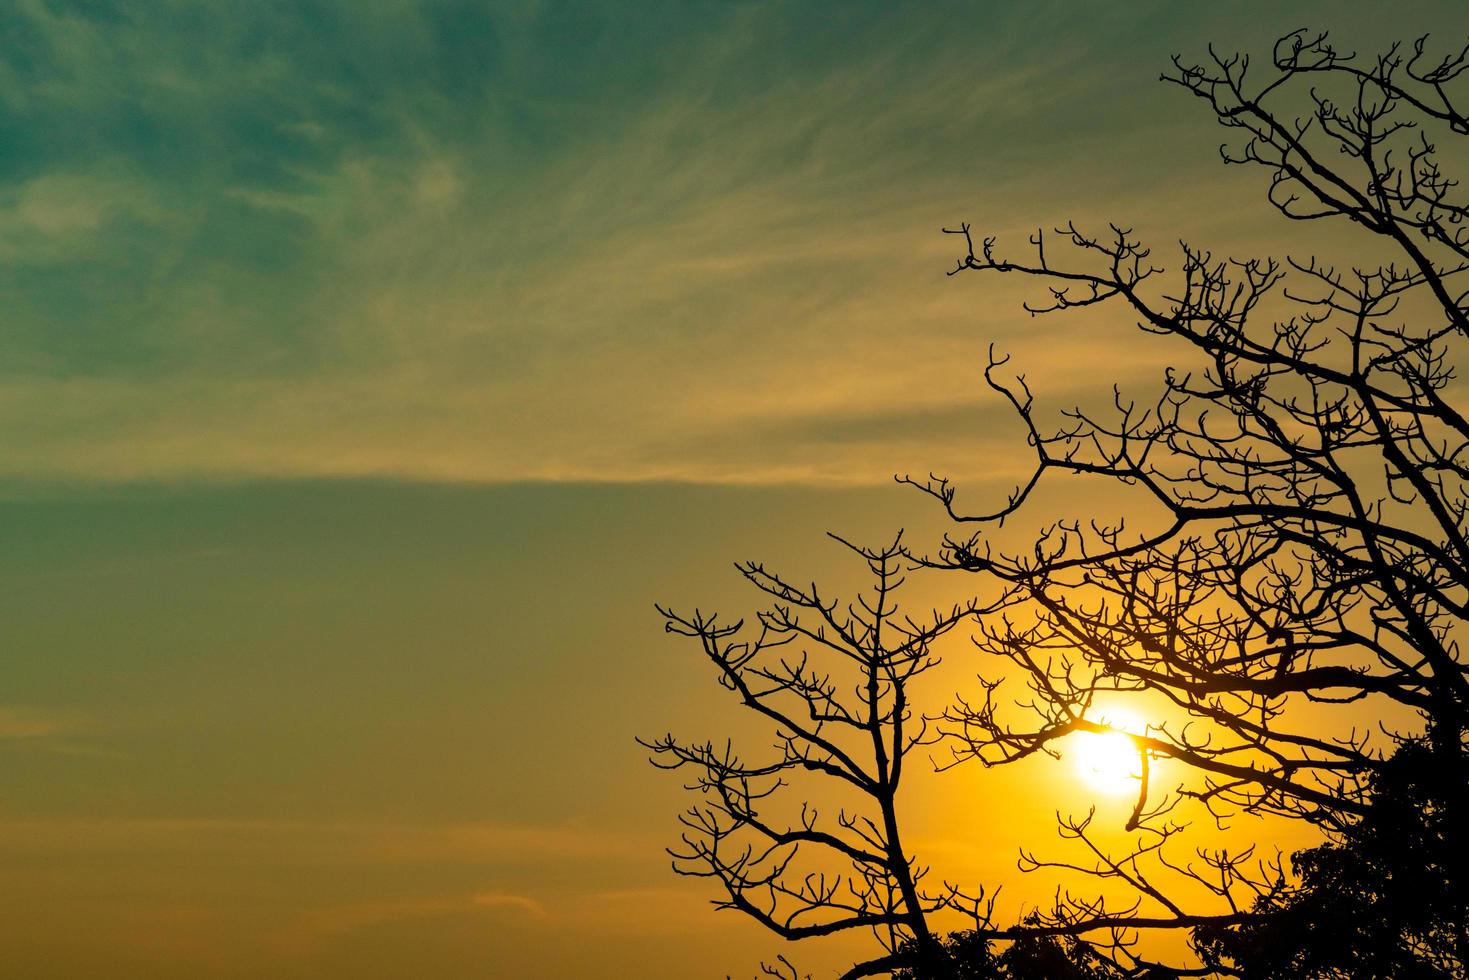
1387 900
975 957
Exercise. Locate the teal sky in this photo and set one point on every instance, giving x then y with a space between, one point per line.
490 242
368 369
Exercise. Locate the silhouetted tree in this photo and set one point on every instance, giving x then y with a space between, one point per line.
1388 899
833 682
1308 459
975 956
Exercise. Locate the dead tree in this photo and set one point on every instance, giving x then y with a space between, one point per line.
1308 457
833 683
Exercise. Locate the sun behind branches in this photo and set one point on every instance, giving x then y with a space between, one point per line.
1109 761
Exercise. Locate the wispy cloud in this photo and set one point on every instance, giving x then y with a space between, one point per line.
506 900
418 252
467 844
17 722
319 925
421 287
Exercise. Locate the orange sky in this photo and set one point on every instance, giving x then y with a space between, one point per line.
370 370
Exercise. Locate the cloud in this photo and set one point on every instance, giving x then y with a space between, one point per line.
18 723
342 842
314 927
632 912
59 217
420 253
501 900
500 875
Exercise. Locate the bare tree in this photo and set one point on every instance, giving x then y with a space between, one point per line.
1308 460
1306 464
834 684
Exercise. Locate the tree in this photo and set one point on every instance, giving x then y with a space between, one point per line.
1388 900
974 956
1306 463
1308 460
834 683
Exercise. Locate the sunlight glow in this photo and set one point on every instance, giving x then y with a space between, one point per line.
1108 762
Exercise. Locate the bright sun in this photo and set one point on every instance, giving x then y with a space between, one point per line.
1109 761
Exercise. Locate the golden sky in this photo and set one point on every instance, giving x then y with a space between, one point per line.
369 369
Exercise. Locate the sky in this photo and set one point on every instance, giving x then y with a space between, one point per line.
368 370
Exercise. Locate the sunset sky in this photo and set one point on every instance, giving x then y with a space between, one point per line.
369 368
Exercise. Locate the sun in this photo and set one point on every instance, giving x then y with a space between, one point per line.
1109 761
